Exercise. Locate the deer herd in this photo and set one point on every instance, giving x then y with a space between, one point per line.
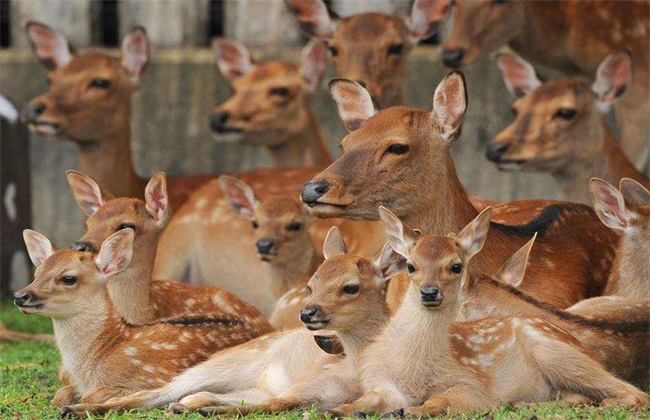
418 299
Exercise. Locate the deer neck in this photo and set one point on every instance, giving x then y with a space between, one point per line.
292 273
304 148
631 268
355 340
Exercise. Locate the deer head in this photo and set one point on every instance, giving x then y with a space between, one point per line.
88 94
627 210
556 122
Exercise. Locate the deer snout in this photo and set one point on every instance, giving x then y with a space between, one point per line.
219 121
430 296
32 111
496 150
265 246
314 190
453 57
314 317
25 299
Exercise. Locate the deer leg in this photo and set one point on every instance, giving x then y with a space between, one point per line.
457 399
205 399
104 393
381 400
568 399
65 395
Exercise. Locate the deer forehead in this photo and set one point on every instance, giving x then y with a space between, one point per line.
560 93
63 262
434 250
395 123
92 64
274 71
371 27
280 208
340 269
119 208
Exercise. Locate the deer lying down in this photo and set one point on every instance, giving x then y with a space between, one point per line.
103 355
423 356
286 370
282 243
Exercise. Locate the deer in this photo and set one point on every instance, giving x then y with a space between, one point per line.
430 364
559 126
285 370
103 355
399 157
569 36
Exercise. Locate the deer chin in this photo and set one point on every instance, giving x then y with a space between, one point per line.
31 309
317 325
326 210
234 136
45 129
512 166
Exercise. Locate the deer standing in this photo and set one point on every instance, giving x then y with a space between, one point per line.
570 36
103 355
286 370
428 362
559 126
399 157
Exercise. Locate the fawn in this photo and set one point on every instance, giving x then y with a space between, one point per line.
103 355
282 242
463 366
559 126
285 370
400 157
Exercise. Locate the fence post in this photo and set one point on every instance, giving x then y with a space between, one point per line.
392 7
261 23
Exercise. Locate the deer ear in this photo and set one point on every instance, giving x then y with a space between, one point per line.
156 199
334 244
136 53
388 263
519 75
313 63
426 16
609 204
613 77
116 252
634 194
49 46
449 106
232 58
313 17
353 102
472 237
512 272
88 194
39 247
400 236
240 196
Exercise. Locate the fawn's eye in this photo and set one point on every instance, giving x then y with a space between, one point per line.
255 224
100 83
308 289
457 268
565 113
351 289
410 268
514 111
295 226
126 225
69 280
397 149
334 51
395 49
279 91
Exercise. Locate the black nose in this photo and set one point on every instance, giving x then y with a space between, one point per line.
453 58
265 246
23 298
495 151
32 111
218 121
308 313
314 190
429 293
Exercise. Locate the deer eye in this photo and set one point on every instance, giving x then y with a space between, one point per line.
100 83
255 224
308 289
514 111
397 149
457 268
351 289
565 113
279 91
410 268
334 51
395 49
126 226
295 226
69 280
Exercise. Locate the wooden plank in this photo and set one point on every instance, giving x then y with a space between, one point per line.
261 22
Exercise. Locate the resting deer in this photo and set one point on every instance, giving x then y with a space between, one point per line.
286 370
400 157
559 126
426 361
570 36
103 355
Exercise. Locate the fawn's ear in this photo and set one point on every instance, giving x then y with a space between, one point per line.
613 77
400 237
313 18
472 237
240 196
116 252
518 74
609 204
156 199
449 106
39 247
49 46
313 64
88 194
232 58
353 102
513 271
634 194
334 243
388 263
136 53
426 17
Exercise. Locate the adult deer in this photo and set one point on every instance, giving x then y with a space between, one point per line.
399 157
559 126
571 36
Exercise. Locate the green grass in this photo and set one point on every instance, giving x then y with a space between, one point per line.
28 381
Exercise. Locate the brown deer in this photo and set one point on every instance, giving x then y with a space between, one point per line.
399 157
559 126
426 361
269 106
570 36
103 355
286 370
134 295
282 243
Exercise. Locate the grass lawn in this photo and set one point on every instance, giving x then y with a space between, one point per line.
28 381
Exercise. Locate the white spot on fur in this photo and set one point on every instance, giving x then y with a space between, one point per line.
277 379
129 351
